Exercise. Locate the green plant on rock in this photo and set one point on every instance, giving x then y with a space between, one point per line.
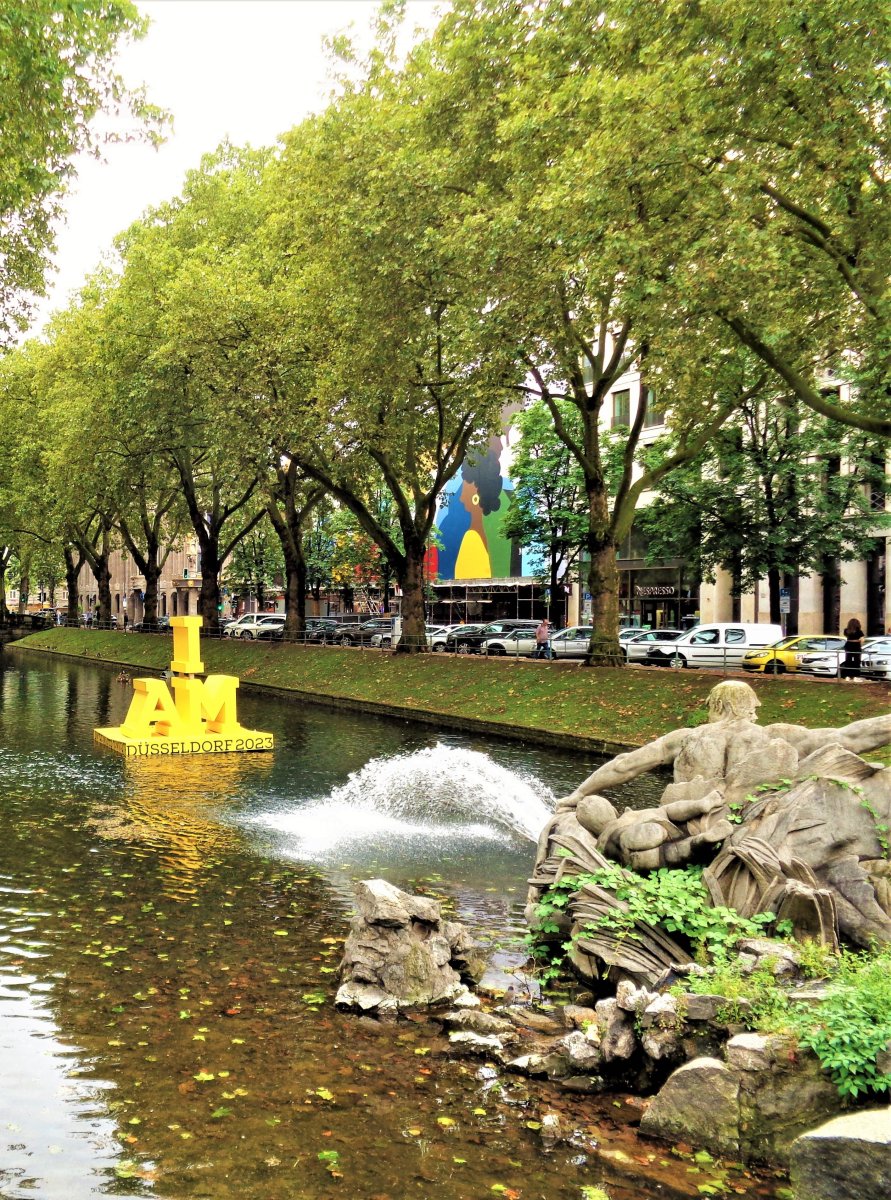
675 899
850 1028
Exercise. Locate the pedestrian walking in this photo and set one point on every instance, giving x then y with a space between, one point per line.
853 635
543 639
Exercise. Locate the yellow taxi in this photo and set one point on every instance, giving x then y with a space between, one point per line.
785 655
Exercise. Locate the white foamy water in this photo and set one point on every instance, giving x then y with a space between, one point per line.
440 792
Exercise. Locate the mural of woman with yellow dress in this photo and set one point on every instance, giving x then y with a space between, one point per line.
475 504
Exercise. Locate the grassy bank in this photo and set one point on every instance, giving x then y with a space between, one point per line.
562 700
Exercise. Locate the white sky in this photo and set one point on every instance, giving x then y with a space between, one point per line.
243 69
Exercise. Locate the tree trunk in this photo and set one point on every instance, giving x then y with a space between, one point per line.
831 576
875 592
791 581
152 575
603 580
72 581
414 620
736 586
209 596
603 584
102 571
24 592
5 558
289 529
773 591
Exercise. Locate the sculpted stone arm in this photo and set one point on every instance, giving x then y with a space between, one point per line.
858 737
628 766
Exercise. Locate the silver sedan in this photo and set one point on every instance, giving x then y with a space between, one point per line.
637 648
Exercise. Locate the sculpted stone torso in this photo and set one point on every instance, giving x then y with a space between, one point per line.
811 848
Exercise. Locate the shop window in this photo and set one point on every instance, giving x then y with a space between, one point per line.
621 408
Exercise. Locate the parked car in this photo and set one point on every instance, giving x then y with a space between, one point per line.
273 626
385 640
828 663
438 640
246 625
516 643
638 647
876 658
722 644
159 625
468 639
786 654
631 631
572 642
320 631
360 634
447 642
568 643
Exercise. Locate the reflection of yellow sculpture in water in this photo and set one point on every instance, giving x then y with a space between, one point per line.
199 718
171 811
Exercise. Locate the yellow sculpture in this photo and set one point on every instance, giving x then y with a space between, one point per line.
198 718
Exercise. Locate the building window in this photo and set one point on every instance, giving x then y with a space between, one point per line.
621 408
653 413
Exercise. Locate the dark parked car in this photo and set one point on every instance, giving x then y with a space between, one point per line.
160 625
359 635
468 639
319 629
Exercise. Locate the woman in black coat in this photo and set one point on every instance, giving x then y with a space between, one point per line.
853 635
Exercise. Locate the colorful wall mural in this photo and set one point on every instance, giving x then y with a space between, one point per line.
471 515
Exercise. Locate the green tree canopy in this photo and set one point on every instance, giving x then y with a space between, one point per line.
56 75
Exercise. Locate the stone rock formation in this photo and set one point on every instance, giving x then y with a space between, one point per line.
848 1158
400 953
784 819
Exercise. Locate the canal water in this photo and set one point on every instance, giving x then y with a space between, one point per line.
169 936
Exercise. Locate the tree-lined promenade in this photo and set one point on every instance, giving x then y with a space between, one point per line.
536 199
599 710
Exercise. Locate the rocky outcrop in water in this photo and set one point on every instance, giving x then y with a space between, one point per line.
400 953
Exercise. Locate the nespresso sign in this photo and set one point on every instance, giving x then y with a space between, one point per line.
655 589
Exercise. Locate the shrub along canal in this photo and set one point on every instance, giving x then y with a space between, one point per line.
169 935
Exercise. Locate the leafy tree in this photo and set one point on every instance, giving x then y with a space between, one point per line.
386 384
319 546
759 139
292 500
178 320
56 75
561 278
546 513
255 564
760 502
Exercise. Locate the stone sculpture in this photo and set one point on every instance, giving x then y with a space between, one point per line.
783 818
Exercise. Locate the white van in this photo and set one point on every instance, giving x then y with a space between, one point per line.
721 644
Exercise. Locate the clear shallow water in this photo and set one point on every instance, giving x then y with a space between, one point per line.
169 934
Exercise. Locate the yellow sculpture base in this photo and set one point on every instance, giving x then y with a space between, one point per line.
192 716
247 739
